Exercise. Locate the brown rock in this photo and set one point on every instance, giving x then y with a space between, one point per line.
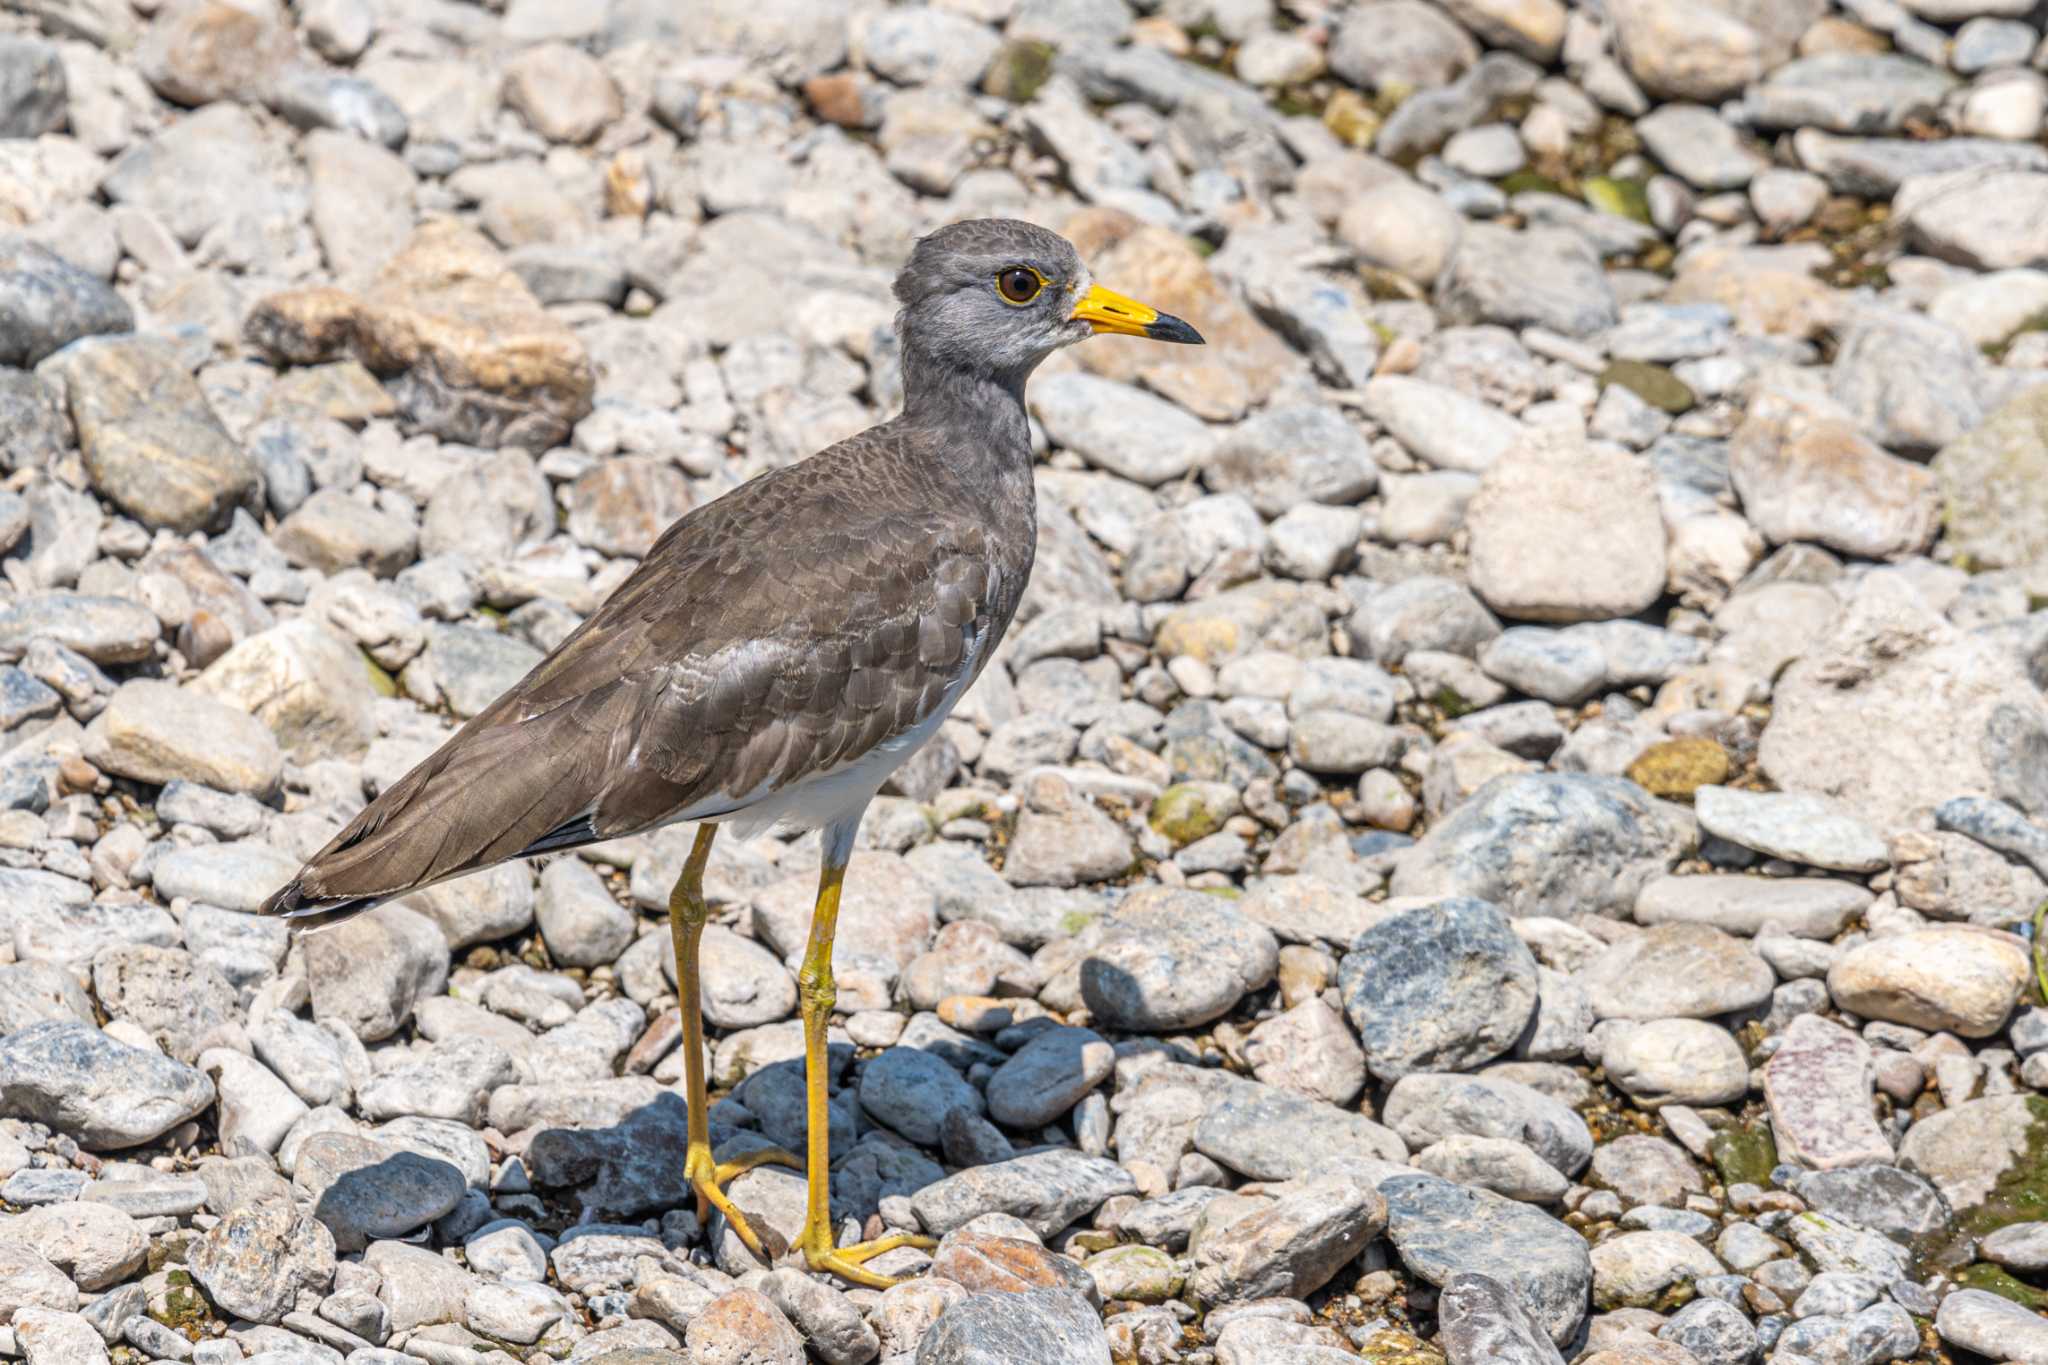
622 506
986 1264
152 444
846 98
303 326
206 50
1242 365
343 390
466 349
1676 768
743 1328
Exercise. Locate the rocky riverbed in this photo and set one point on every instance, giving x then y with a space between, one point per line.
1506 832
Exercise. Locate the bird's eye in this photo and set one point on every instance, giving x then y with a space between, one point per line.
1019 285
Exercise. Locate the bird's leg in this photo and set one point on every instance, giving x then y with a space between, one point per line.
817 991
687 914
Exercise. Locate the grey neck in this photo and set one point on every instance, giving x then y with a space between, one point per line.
987 406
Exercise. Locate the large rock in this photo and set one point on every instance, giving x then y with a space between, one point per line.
1676 971
1961 980
1994 486
46 302
1849 719
1540 276
1041 1327
367 973
152 444
1446 987
464 346
1425 1108
102 1093
1564 530
1172 959
310 687
106 630
1441 1230
1819 1085
1805 474
1267 1133
1554 844
1985 1156
183 1003
158 732
1292 1247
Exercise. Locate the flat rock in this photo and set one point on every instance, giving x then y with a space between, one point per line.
100 1092
1444 987
1555 844
1441 1230
361 1189
1994 507
1819 1084
1676 971
1047 1189
1541 510
1292 1247
1043 1327
106 630
1426 1107
1797 827
1268 1133
1803 907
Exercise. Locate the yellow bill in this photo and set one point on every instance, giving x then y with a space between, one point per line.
1105 310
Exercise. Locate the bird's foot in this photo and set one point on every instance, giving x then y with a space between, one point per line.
850 1262
709 1178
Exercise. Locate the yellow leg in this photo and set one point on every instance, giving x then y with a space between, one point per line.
817 991
687 914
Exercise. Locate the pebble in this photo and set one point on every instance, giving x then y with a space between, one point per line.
1174 959
101 1092
1677 1061
1796 827
1441 1230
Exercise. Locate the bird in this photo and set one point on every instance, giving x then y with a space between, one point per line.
774 657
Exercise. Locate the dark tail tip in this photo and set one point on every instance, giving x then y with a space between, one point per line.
289 902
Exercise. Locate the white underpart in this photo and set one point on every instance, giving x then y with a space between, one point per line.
841 792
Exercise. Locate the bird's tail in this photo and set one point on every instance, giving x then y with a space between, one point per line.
290 903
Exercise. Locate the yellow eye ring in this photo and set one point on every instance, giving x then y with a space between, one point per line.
1019 284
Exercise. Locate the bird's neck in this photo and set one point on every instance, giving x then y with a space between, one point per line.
987 407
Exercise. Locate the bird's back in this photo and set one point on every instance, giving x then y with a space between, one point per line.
780 632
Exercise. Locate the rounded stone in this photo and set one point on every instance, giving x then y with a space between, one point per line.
1959 980
1677 1061
1172 959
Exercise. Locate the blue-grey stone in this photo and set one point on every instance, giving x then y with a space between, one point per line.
1444 987
1441 1229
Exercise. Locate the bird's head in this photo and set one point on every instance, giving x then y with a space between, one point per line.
996 296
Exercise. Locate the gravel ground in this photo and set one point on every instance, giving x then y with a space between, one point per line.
1505 832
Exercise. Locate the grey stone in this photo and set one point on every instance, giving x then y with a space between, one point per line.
1803 907
1039 1327
46 302
1091 416
1441 1230
910 1091
1047 1189
1977 1320
1555 844
1544 277
100 1092
106 630
1848 92
1794 826
1171 959
1424 1108
1676 971
33 90
1482 1321
1290 455
1293 1246
179 1000
1441 987
1268 1133
361 1189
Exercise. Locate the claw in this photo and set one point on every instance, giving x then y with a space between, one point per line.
709 1178
849 1263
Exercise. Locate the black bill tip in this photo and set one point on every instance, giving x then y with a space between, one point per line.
1170 328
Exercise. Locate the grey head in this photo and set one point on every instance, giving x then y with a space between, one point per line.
994 296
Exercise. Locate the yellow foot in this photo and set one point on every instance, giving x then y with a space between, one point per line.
849 1263
709 1179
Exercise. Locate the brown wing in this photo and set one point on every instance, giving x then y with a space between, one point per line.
786 628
